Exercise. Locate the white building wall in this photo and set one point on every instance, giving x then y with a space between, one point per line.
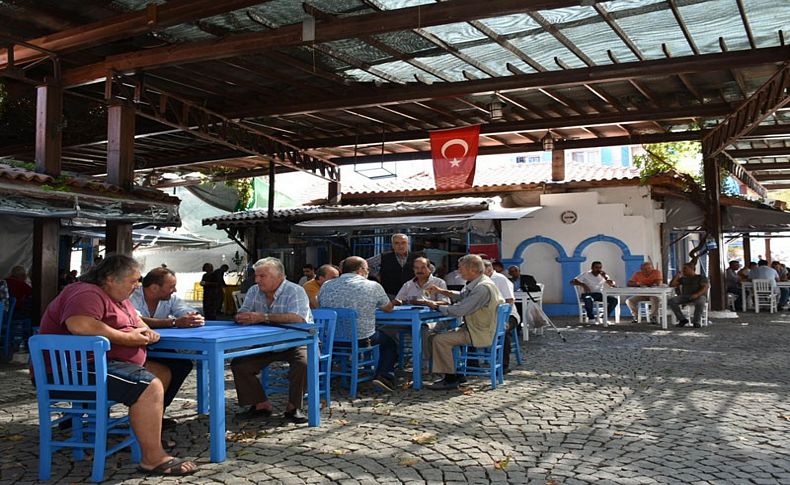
624 213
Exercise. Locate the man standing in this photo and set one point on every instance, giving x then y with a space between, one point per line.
325 273
693 290
308 274
592 281
273 300
354 290
646 276
477 303
397 266
505 287
159 307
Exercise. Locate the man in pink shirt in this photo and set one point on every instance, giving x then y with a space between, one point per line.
99 305
646 276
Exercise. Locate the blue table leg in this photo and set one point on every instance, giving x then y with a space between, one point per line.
416 352
313 399
202 387
216 370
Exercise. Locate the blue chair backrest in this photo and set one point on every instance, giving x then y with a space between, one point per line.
70 359
326 321
502 316
346 328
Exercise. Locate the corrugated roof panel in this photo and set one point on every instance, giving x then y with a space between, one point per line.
543 48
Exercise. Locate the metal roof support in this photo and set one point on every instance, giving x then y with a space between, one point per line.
179 113
770 97
737 170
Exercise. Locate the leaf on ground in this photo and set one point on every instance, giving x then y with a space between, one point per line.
15 437
339 452
467 391
342 422
784 416
243 436
552 482
503 463
406 385
424 438
618 433
414 422
409 460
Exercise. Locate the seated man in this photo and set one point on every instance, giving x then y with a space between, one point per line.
733 281
693 289
99 305
505 287
352 289
592 281
477 303
323 274
274 299
159 307
415 292
19 289
646 276
308 274
522 282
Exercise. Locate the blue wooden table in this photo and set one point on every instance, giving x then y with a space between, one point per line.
413 317
212 344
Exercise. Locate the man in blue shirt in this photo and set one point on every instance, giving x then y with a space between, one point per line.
352 289
273 300
159 307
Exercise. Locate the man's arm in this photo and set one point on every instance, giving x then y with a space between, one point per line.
577 282
86 325
675 280
472 302
703 291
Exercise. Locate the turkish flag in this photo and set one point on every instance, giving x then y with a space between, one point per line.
454 154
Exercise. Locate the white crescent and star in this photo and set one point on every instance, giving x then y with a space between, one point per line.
455 162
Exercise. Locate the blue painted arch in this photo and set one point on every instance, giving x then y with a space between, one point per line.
632 261
518 254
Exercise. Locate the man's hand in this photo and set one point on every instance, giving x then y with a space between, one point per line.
192 319
153 337
138 337
249 318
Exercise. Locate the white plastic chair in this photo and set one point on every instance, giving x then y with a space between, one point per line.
598 306
764 295
238 298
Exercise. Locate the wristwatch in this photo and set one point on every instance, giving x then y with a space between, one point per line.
265 318
173 322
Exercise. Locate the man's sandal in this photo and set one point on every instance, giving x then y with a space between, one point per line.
171 467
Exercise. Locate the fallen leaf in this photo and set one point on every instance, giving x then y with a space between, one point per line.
342 422
503 463
339 452
409 460
424 438
467 391
414 422
784 416
552 482
406 385
15 437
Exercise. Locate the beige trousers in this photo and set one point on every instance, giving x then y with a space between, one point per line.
442 347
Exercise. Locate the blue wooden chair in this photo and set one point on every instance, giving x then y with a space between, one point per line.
71 381
352 363
276 380
515 346
489 359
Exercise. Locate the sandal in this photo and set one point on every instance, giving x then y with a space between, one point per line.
171 467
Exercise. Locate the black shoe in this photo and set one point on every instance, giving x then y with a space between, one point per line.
384 384
634 320
697 325
506 370
296 416
442 385
169 423
253 413
682 323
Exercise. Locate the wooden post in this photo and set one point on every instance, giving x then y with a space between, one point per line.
49 115
557 165
120 171
272 173
718 299
747 249
767 249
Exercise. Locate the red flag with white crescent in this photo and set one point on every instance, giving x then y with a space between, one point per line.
454 154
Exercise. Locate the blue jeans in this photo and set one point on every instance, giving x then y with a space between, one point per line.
388 354
589 298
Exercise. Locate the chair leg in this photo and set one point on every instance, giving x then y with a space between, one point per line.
354 374
515 347
100 445
45 444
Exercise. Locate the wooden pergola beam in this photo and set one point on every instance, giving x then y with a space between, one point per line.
124 26
760 167
760 152
540 80
291 36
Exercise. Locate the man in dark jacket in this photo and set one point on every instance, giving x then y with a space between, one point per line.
397 266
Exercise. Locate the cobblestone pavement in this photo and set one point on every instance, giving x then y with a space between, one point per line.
627 404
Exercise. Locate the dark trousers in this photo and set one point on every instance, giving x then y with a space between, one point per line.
179 370
388 353
589 298
248 386
511 324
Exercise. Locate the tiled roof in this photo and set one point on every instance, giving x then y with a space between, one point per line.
461 204
499 175
81 185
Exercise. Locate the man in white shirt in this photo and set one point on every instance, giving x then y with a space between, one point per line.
592 281
765 272
505 287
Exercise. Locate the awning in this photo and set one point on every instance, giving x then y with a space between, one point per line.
683 214
498 213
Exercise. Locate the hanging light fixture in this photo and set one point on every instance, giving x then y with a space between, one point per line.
495 110
548 142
